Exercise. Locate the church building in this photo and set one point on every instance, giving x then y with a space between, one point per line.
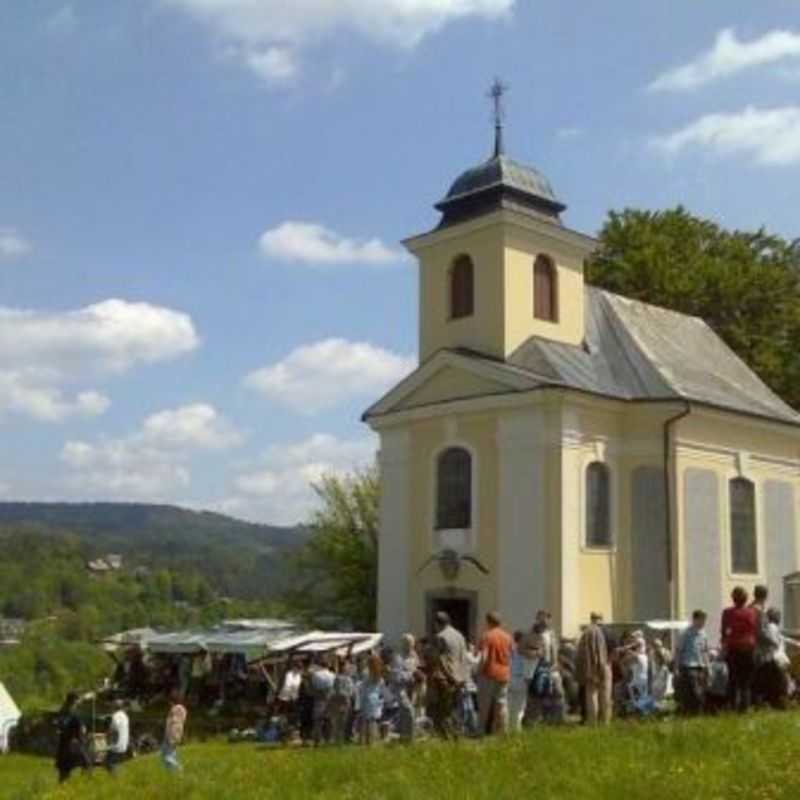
565 448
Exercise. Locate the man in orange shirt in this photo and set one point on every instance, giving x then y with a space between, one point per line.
495 673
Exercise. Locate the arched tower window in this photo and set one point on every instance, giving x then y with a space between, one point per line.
598 505
744 547
545 289
454 489
462 288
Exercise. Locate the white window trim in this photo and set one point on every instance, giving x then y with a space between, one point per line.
743 471
600 454
469 535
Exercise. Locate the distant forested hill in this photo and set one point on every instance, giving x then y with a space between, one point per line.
237 559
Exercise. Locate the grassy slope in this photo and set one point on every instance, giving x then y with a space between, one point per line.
751 758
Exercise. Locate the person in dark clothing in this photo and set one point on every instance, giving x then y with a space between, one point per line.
739 629
71 752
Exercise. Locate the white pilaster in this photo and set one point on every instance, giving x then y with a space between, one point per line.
521 557
395 532
570 518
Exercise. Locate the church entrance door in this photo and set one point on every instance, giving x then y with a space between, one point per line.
461 607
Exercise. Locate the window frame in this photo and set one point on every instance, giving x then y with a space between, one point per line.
611 545
438 511
541 261
461 260
740 479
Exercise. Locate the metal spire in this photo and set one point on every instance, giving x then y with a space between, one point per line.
496 94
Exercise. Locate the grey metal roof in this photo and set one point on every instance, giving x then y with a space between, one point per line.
502 171
637 351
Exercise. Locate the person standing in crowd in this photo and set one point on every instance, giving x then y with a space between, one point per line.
517 687
403 670
594 671
118 737
660 671
371 702
739 630
470 722
772 675
71 752
717 692
446 667
693 664
495 672
340 703
289 692
173 732
322 679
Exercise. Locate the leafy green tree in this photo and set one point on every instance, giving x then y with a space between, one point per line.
745 285
336 570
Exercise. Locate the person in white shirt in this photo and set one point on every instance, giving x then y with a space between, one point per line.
118 737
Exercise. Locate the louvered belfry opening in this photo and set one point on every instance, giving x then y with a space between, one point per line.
454 489
545 289
462 288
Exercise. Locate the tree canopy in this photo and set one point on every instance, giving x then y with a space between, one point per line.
745 285
336 570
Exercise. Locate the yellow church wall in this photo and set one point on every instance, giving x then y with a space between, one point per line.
483 331
427 438
452 384
521 249
731 446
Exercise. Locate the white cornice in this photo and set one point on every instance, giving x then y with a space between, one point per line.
579 242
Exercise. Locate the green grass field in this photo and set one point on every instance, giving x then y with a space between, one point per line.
753 757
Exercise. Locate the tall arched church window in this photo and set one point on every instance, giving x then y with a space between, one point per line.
454 489
744 542
598 505
545 289
462 288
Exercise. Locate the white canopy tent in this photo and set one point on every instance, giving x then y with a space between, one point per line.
9 717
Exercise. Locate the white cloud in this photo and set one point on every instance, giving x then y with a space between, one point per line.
12 244
62 22
43 352
281 490
767 136
256 26
728 56
276 65
311 243
323 374
152 462
192 426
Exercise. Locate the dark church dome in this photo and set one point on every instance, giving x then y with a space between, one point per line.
499 182
502 171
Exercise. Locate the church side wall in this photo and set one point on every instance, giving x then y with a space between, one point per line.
484 330
522 247
713 449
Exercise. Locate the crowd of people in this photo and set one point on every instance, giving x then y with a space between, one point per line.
448 686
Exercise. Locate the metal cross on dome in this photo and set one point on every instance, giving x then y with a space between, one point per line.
496 94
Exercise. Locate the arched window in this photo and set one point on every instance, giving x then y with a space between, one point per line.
545 289
454 489
744 548
462 288
598 505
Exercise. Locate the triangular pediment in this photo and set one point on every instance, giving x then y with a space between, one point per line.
449 376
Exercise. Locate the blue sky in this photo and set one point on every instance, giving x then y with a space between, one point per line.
201 201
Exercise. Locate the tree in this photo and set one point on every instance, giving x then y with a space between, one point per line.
336 569
745 285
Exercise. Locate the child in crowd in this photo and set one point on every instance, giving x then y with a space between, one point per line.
371 702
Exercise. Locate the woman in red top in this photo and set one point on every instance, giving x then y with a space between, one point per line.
739 625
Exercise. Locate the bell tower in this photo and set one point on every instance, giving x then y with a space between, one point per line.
500 267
